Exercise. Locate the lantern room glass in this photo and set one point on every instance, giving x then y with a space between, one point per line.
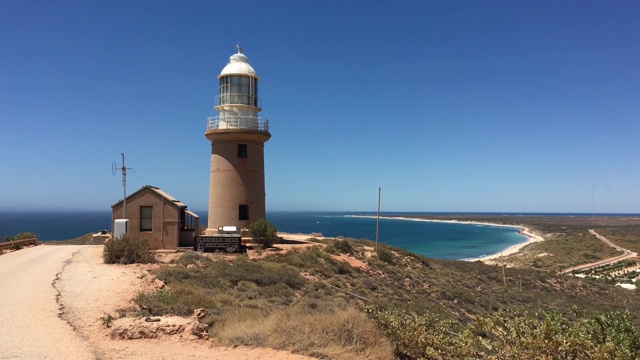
238 89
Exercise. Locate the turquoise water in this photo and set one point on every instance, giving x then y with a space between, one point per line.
432 239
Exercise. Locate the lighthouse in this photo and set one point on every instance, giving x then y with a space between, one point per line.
237 135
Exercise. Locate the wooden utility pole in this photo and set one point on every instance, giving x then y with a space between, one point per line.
504 275
378 220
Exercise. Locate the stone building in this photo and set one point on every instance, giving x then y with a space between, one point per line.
158 217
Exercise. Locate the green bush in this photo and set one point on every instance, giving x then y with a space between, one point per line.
343 246
157 303
191 258
128 250
385 255
21 236
264 233
423 336
25 235
511 335
551 335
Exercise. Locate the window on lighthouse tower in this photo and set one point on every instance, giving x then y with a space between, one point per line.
243 212
242 150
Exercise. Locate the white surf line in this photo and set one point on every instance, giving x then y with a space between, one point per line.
464 222
524 231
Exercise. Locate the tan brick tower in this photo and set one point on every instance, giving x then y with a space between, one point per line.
237 135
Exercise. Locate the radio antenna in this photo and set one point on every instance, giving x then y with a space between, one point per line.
123 169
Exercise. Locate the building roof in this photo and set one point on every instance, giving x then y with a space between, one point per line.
238 65
162 194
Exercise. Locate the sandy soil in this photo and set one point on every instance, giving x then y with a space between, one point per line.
89 290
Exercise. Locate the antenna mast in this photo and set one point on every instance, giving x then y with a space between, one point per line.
123 169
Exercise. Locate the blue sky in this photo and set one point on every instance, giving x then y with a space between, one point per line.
488 106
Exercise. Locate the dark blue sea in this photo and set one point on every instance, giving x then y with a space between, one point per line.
432 239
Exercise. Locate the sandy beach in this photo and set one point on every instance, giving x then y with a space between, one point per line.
531 237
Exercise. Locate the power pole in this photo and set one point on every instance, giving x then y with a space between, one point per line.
123 169
378 220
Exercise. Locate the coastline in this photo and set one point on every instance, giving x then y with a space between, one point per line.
531 238
525 231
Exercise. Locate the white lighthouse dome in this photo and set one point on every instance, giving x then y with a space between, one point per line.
238 65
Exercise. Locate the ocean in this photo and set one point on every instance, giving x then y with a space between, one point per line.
432 239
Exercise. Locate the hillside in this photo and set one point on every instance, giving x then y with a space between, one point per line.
324 300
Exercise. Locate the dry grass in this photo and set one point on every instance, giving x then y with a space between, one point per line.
628 237
564 247
341 334
284 300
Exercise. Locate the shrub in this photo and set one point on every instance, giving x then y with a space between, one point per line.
550 335
157 303
423 336
385 255
128 250
191 258
25 235
511 335
343 246
21 236
264 233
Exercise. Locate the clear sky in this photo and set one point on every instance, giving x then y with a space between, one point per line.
488 106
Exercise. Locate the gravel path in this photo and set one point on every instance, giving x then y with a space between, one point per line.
29 324
52 298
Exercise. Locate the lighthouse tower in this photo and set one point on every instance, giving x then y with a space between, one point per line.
237 135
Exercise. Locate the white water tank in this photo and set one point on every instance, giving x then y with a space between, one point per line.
120 228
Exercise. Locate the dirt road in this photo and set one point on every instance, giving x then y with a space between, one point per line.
29 324
626 254
52 299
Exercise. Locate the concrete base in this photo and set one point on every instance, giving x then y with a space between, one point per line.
244 233
210 232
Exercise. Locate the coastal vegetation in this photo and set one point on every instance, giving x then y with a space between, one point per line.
339 300
563 248
128 249
627 237
509 335
621 272
14 242
263 232
21 236
568 242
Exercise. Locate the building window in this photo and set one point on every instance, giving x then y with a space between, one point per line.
243 212
146 217
242 150
188 222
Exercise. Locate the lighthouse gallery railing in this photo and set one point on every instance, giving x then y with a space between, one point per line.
238 122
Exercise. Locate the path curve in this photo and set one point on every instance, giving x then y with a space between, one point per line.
30 326
90 289
626 255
